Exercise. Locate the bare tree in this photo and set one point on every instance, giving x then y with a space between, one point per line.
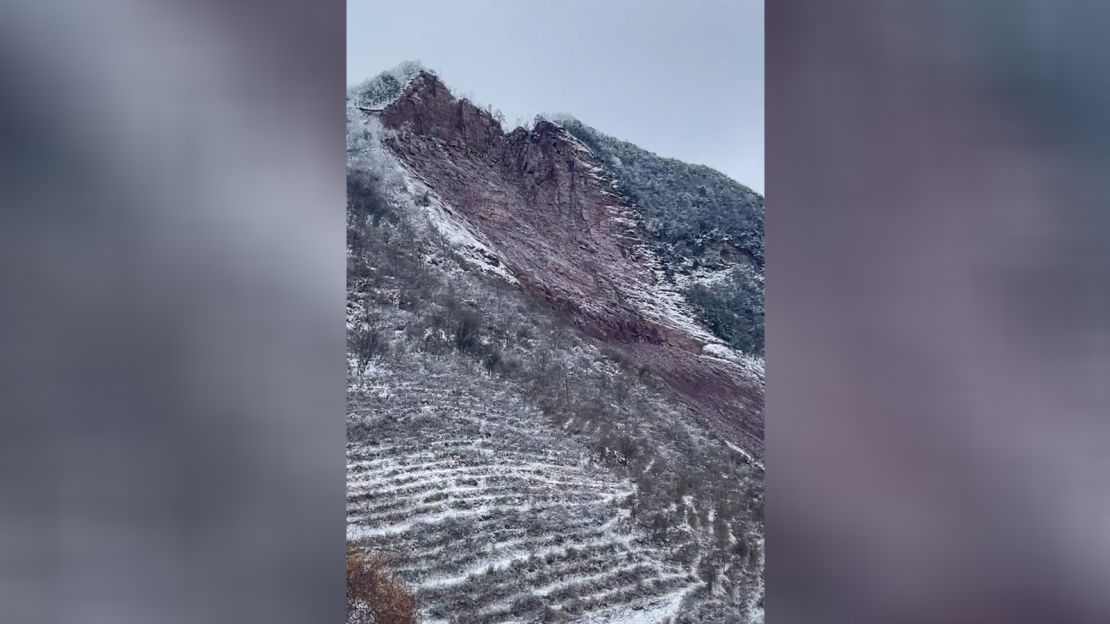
367 344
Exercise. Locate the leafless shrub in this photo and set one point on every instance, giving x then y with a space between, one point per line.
365 199
708 573
491 361
373 596
467 331
367 344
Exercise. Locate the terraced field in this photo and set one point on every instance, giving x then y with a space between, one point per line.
493 515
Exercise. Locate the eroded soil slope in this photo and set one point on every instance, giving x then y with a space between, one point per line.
555 221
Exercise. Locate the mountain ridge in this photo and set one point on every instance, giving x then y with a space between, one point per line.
551 212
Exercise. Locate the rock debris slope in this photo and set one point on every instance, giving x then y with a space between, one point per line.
550 209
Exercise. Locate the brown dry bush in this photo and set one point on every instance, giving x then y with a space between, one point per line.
373 596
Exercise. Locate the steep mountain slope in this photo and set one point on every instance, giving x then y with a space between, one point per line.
553 216
698 214
538 429
707 229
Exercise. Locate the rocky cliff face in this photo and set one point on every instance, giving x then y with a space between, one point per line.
551 215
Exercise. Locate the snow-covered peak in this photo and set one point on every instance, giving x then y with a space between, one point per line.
382 90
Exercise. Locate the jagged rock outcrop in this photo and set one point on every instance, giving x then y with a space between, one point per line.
549 210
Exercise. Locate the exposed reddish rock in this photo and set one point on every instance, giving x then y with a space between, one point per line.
544 203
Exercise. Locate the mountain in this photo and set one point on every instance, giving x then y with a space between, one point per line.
556 386
706 228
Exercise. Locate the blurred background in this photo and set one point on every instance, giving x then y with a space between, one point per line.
172 253
172 259
938 311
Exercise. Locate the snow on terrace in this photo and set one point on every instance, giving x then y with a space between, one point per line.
488 505
655 611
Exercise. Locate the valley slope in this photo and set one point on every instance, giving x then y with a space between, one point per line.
540 427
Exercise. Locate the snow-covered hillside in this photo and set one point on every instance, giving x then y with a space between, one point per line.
495 513
513 467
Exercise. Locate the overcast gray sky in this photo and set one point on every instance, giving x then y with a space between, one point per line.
682 78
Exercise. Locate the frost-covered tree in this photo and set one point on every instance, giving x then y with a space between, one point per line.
733 308
382 89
